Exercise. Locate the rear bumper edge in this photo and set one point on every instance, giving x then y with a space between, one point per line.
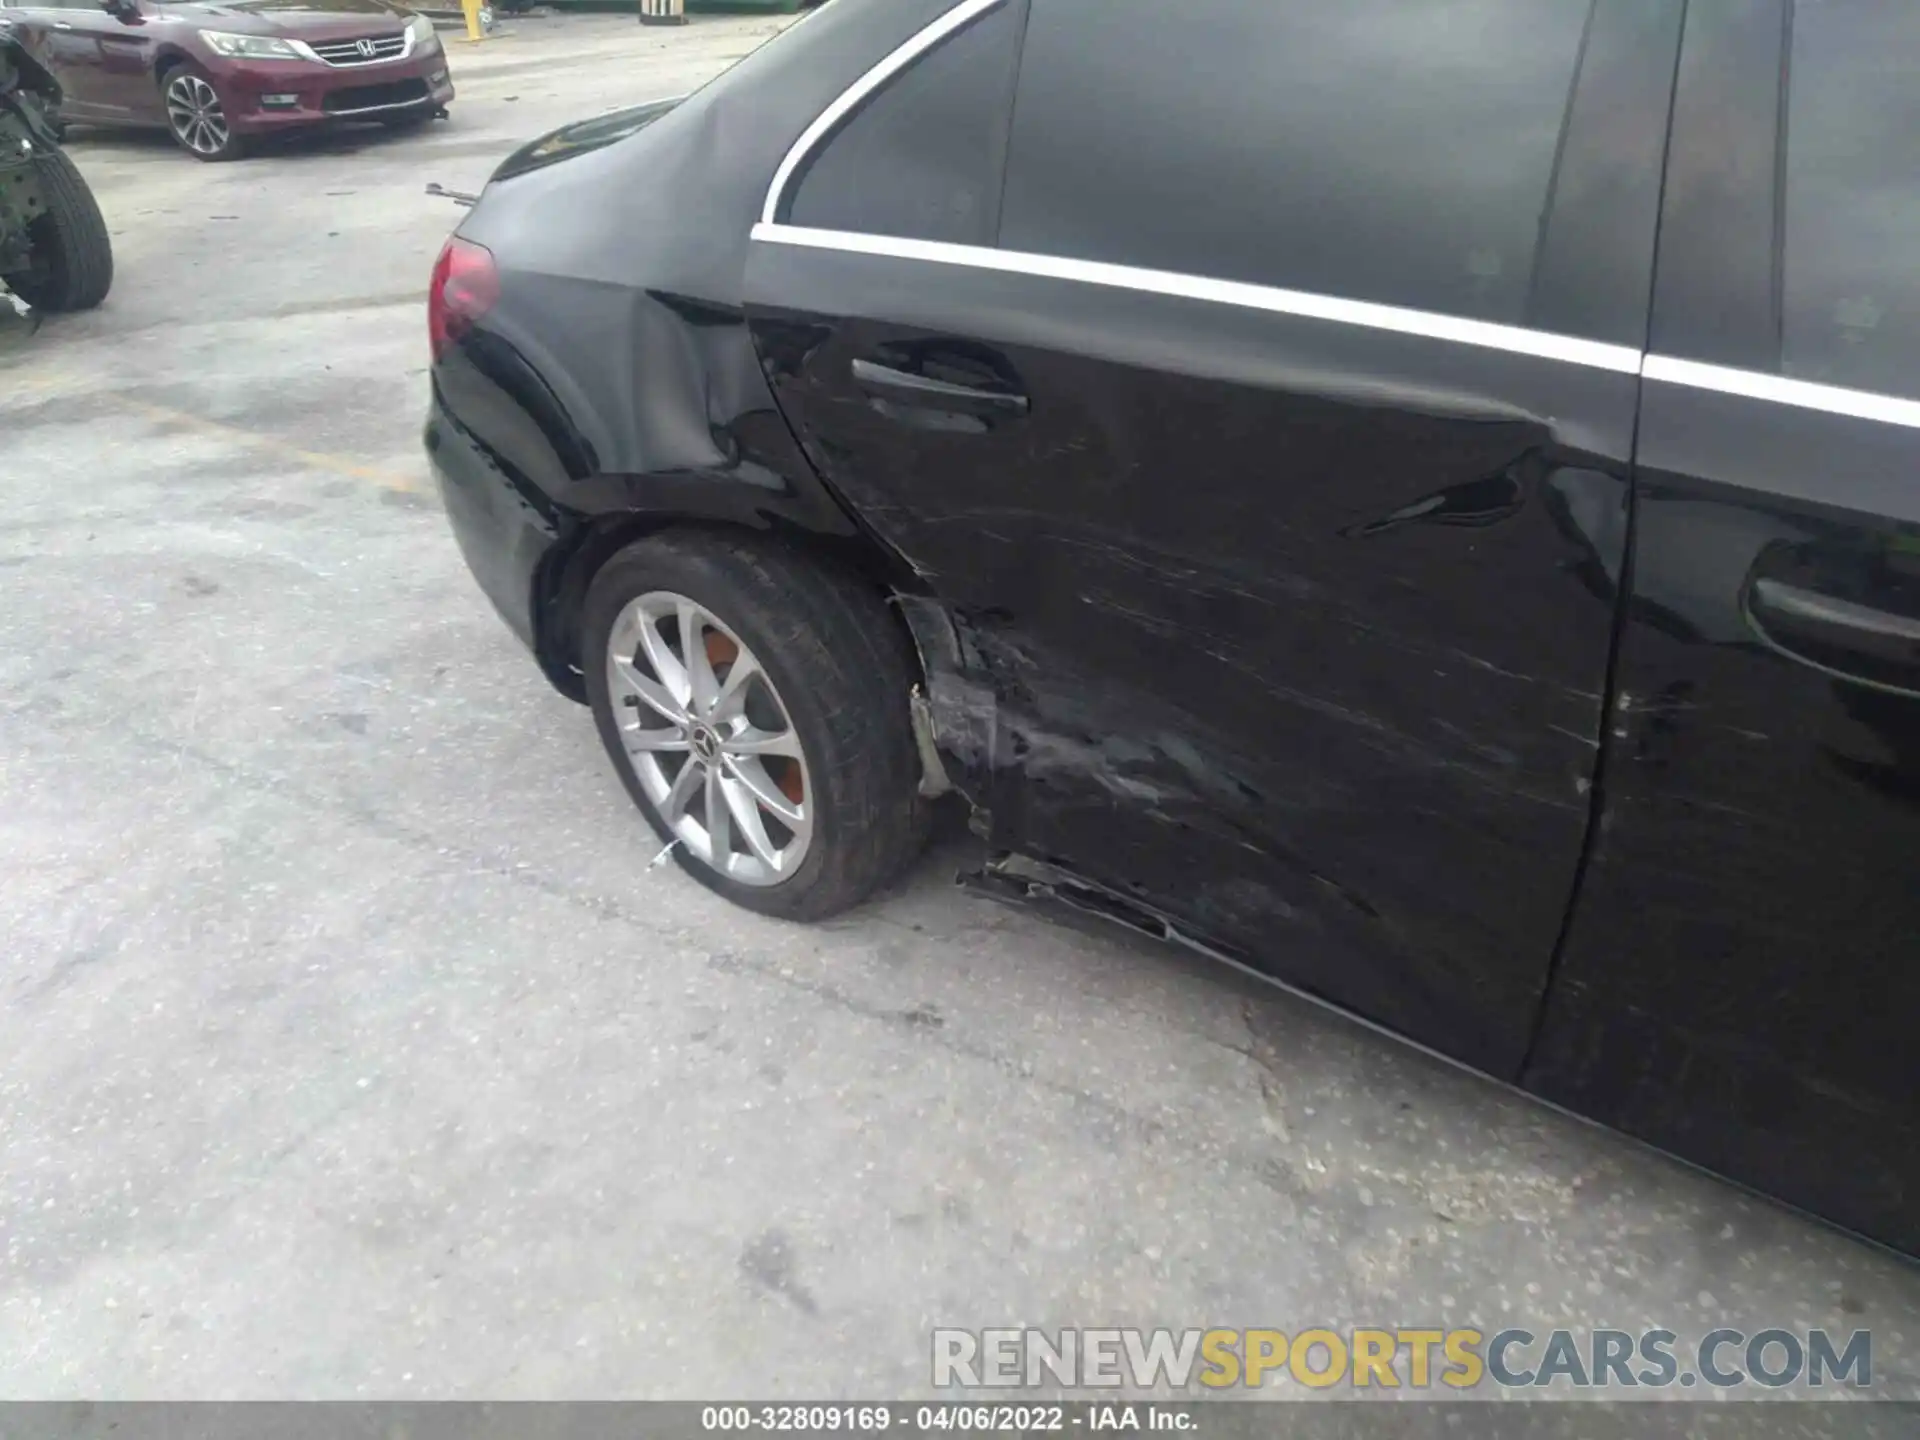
503 539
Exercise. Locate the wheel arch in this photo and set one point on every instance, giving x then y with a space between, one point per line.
167 59
561 582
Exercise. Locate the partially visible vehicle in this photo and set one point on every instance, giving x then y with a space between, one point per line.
54 250
1420 499
216 76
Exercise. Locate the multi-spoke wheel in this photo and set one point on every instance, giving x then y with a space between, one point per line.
756 706
196 117
710 739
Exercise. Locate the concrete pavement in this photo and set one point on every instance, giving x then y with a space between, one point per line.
353 1049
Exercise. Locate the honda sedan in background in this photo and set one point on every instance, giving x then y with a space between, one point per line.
216 76
1420 499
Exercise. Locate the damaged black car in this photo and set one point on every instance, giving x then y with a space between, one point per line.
1418 501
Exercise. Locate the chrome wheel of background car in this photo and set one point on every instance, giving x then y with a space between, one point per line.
710 739
193 110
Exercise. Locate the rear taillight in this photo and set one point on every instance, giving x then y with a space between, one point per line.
465 287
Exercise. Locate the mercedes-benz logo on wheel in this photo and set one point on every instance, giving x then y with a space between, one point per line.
365 47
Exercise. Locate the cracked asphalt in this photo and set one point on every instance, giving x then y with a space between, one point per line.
352 1047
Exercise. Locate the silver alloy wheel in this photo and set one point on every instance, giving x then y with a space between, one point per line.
710 739
194 112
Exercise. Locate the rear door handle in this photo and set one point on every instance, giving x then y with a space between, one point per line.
62 25
1843 638
937 394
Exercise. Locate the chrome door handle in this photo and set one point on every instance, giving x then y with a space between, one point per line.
1841 638
870 375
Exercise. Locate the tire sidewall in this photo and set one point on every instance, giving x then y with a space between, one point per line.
76 270
685 570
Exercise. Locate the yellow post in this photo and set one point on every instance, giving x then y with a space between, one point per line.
471 9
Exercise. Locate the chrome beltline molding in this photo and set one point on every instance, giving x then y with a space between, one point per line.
1594 354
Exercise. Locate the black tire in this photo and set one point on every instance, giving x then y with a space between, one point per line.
229 146
845 671
72 254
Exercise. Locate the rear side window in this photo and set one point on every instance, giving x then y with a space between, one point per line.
1370 149
1850 294
921 158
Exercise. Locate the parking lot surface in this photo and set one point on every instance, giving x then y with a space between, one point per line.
354 1048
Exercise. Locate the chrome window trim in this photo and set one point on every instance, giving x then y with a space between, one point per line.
1517 340
1621 359
1780 390
955 19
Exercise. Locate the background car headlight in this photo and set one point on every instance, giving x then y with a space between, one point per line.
421 28
250 47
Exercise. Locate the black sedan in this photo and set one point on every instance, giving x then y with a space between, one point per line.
1421 501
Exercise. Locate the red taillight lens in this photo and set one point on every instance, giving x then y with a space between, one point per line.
466 285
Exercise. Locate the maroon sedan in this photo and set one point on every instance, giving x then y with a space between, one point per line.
216 75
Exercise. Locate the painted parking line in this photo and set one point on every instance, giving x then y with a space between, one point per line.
42 385
273 445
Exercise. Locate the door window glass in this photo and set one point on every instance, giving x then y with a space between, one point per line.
921 158
1371 149
1850 294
